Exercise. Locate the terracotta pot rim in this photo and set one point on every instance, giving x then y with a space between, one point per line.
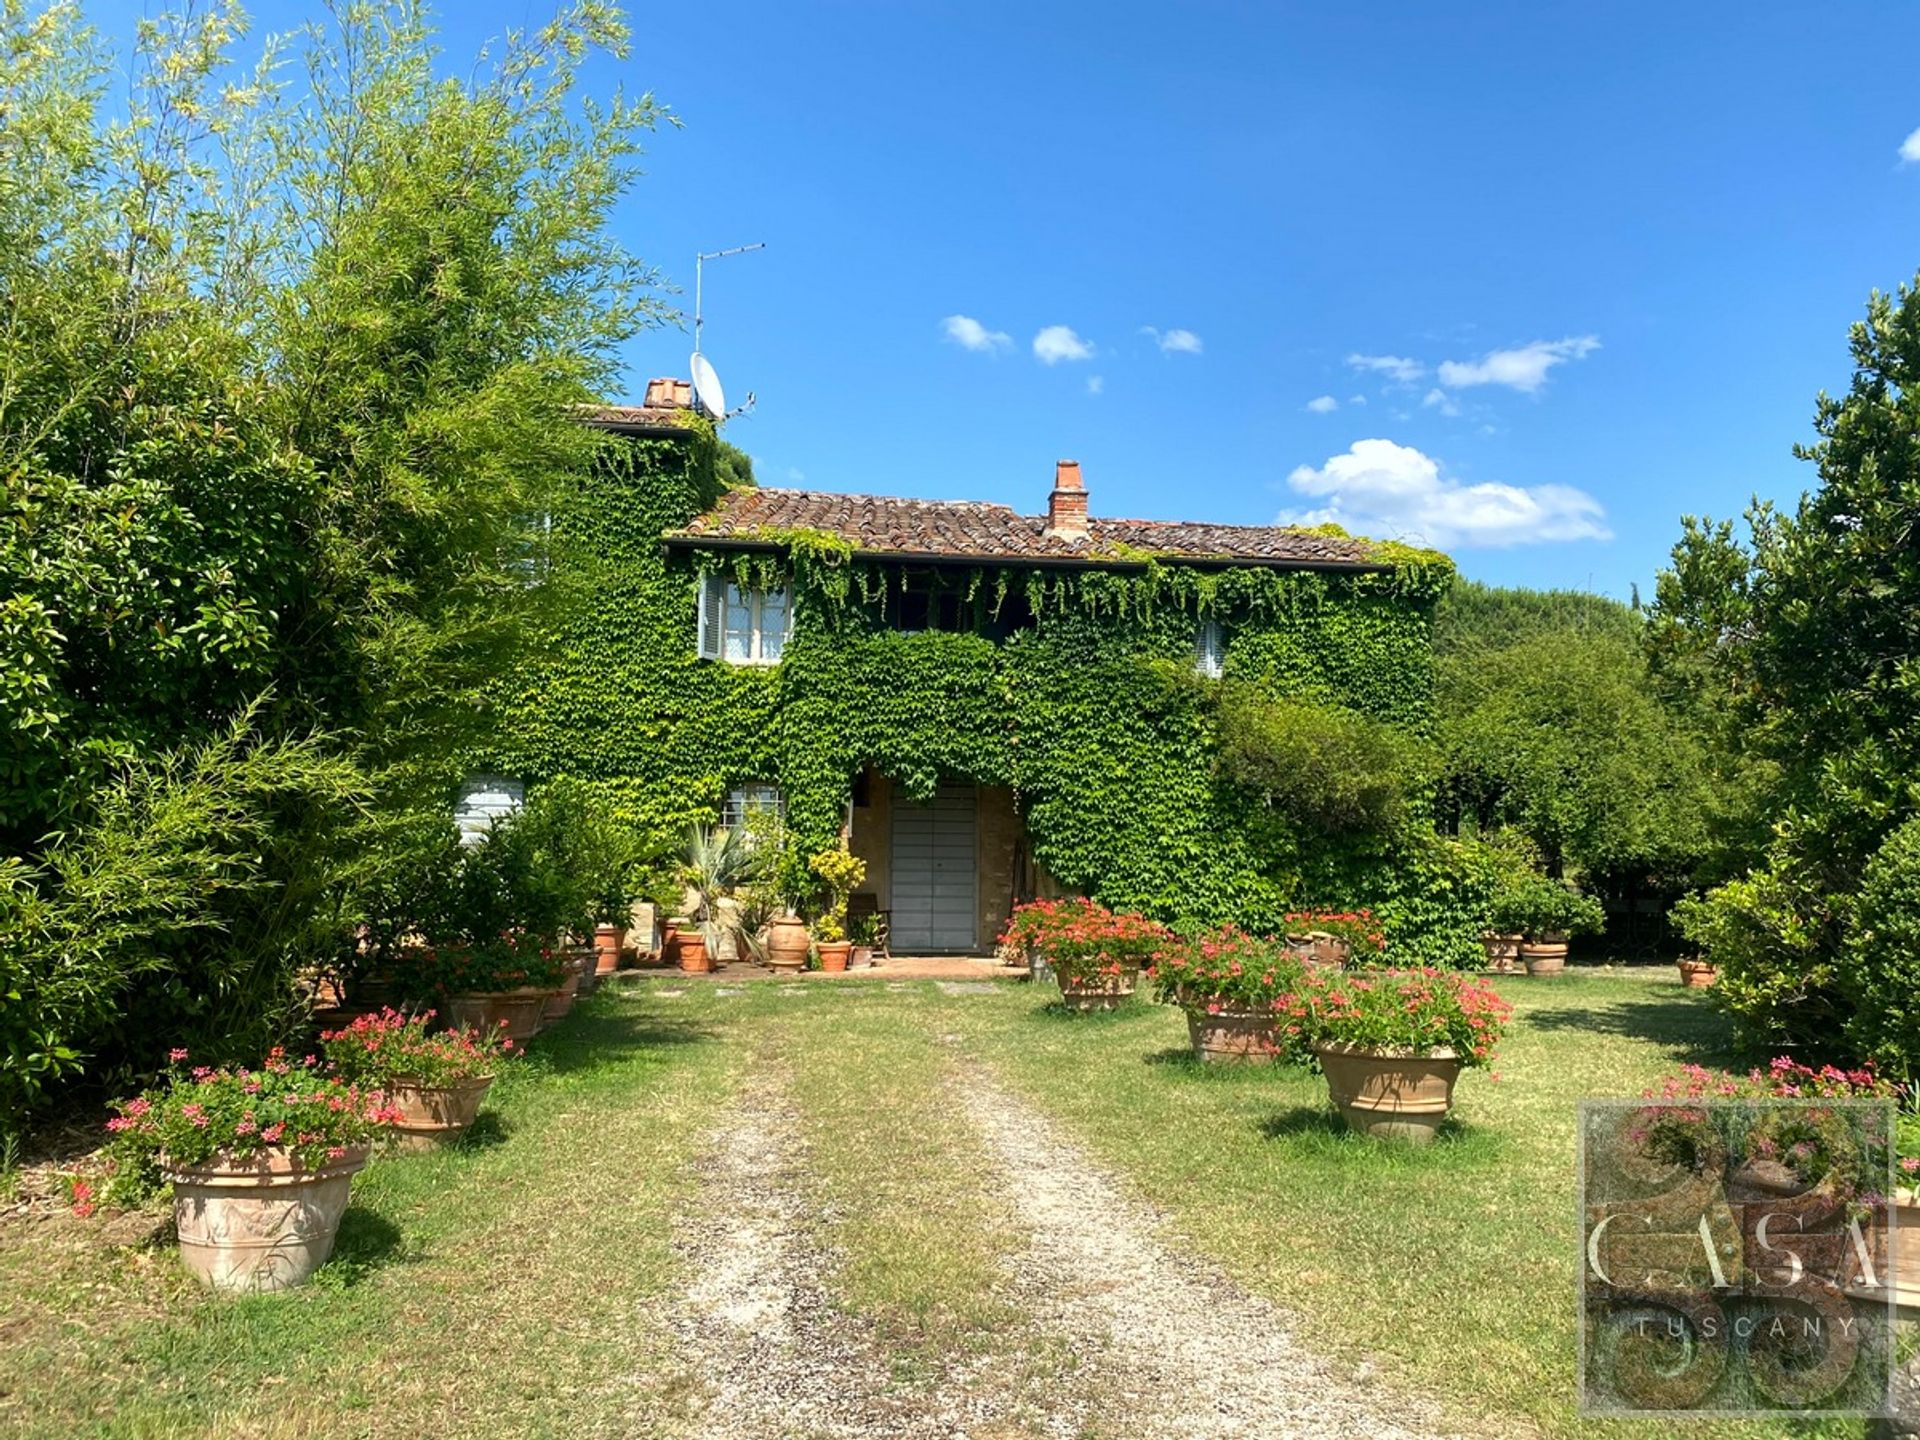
1203 1014
1374 1052
266 1169
451 1087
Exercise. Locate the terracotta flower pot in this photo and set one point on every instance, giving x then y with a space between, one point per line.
1097 992
1543 957
1697 974
834 954
1390 1096
787 943
861 958
607 943
1318 950
1232 1035
692 948
1503 952
1906 1275
561 1004
262 1223
514 1012
431 1113
587 966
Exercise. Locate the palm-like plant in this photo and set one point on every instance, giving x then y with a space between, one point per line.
718 858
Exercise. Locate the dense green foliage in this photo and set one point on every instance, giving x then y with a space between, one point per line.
1087 709
1326 768
287 369
1559 735
1802 642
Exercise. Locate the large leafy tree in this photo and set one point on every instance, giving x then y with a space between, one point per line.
1549 728
1807 640
287 361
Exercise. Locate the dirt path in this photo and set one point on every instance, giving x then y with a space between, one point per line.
1183 1351
770 1357
1125 1340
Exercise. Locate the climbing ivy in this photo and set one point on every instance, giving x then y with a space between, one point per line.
1087 710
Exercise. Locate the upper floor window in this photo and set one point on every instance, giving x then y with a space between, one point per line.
742 627
1209 649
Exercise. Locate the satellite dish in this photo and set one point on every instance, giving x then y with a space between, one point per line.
707 393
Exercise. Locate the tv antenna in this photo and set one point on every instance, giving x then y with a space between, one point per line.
707 393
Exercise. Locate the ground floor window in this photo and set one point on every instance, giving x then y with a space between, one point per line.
754 798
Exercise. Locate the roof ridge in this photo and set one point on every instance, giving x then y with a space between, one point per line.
888 499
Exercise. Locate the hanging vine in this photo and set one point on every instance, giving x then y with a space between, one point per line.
1087 710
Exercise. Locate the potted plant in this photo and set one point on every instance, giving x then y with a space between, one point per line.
432 1083
1547 911
1228 983
1392 1043
260 1163
1696 973
865 935
1020 941
1333 939
717 858
502 984
1509 868
1787 1078
1095 954
841 872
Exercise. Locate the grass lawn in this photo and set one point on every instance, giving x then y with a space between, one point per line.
506 1287
1453 1268
516 1285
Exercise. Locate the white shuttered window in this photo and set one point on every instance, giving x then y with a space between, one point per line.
1209 649
742 627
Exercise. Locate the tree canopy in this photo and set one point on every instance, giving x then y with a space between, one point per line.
286 359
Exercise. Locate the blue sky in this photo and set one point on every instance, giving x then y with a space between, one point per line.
1595 260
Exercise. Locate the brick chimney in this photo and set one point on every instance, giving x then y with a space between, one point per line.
1067 505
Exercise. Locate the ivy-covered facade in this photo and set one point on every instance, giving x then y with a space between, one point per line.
1040 698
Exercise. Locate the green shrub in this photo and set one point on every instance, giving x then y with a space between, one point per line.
1769 940
1538 905
1329 768
201 885
1880 970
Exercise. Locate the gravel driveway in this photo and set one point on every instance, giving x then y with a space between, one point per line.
1140 1341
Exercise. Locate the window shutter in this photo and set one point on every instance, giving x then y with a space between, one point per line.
712 616
1208 648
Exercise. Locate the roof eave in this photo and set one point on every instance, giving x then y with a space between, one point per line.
683 541
653 429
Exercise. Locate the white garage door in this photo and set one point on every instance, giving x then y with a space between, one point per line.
935 872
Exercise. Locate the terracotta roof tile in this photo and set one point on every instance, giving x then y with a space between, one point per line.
975 530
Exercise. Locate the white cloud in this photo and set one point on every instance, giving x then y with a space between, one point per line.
1057 343
796 475
1096 383
1396 368
1174 342
970 334
1356 399
1323 405
1380 488
1441 401
1523 368
1910 148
